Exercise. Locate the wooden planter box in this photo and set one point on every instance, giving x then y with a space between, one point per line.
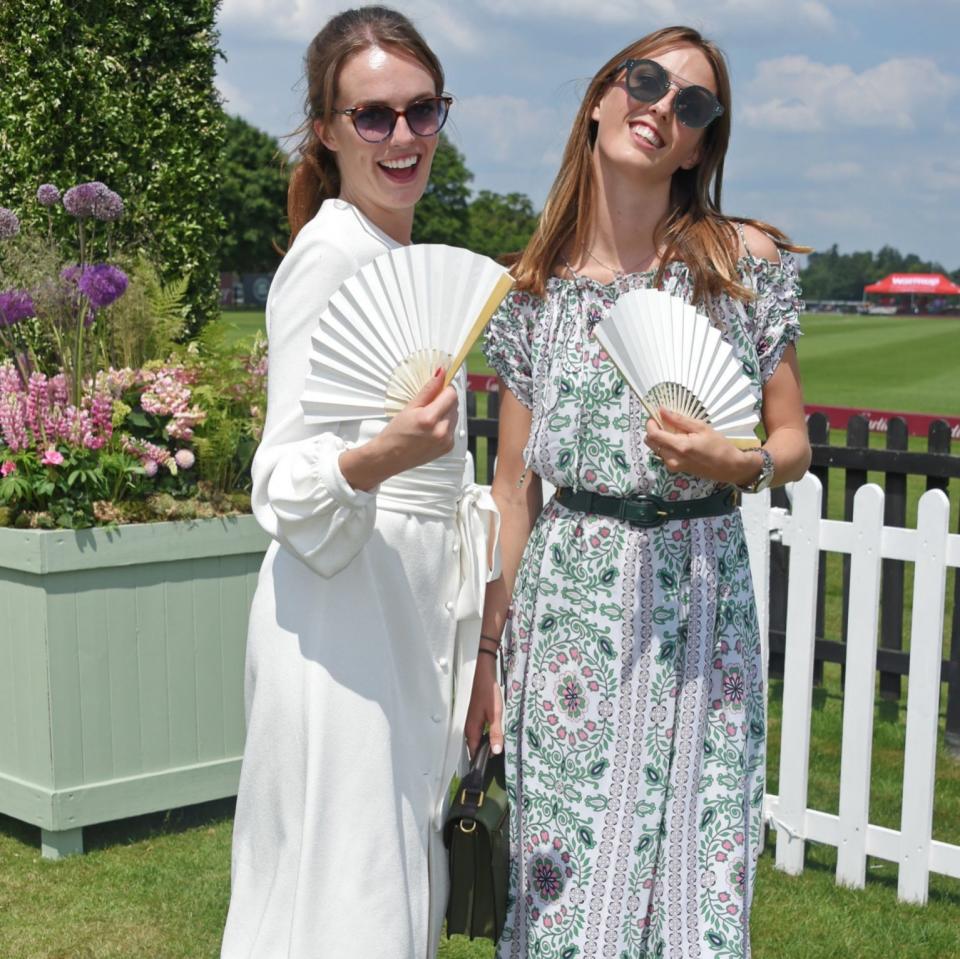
121 670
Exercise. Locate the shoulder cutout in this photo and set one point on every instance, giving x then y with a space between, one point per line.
757 245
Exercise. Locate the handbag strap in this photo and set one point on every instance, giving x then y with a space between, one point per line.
471 786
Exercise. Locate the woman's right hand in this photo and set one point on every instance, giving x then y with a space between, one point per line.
419 433
486 707
424 428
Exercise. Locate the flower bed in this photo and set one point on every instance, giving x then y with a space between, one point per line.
106 414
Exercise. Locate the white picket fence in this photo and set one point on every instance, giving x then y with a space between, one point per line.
932 548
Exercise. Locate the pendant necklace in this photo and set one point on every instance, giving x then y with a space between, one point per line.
618 274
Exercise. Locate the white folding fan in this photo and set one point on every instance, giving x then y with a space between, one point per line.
393 323
672 356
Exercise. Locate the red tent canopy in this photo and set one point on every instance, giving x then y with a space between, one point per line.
932 284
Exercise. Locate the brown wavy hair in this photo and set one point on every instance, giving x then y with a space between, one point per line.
693 230
316 177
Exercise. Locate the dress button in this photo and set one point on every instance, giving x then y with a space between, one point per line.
449 606
462 433
443 663
456 547
437 718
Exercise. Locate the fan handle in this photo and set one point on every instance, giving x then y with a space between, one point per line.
503 287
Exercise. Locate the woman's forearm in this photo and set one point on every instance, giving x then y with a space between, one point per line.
791 454
518 512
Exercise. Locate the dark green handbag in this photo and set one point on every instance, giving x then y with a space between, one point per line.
476 834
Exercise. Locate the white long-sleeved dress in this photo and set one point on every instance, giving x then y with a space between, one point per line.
363 626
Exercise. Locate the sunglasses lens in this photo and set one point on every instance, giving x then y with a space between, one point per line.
426 117
647 81
374 123
696 107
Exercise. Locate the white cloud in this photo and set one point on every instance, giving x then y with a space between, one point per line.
716 12
827 172
299 20
465 25
797 94
508 129
233 100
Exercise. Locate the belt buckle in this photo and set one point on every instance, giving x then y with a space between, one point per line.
644 512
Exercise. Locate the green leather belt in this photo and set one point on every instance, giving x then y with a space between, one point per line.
647 511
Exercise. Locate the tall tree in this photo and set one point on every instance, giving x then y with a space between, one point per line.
500 224
120 91
253 199
442 215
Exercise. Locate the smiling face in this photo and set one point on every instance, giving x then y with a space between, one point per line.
647 137
384 180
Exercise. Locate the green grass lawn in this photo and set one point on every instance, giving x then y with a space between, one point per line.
243 324
904 363
157 887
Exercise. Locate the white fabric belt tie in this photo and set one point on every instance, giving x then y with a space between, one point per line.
420 492
478 526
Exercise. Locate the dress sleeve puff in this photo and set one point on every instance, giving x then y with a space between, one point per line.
776 310
508 344
300 497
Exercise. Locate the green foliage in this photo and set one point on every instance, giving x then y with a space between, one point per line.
442 215
832 275
119 91
491 223
231 390
65 494
500 224
253 199
148 320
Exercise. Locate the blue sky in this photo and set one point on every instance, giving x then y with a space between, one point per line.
846 112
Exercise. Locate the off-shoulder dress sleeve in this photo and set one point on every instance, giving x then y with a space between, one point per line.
776 310
300 497
508 344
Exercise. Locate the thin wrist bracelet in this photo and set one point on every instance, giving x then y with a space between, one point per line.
489 652
490 639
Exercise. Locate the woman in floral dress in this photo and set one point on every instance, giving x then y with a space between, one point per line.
634 712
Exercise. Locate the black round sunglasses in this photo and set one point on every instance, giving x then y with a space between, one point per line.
376 122
648 82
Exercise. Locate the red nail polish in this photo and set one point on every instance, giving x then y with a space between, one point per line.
438 371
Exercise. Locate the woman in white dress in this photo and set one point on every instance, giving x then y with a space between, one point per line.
366 615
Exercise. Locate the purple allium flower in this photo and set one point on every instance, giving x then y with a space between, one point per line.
101 284
150 467
109 207
84 199
185 459
9 223
48 195
15 305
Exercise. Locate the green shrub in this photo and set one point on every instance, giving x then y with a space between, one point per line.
120 91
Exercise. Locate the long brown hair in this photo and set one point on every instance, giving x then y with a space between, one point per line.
693 230
316 177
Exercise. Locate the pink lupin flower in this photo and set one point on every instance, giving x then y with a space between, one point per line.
52 458
8 467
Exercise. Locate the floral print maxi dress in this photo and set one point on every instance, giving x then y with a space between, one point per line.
634 712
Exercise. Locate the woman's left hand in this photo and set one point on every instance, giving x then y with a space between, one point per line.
691 446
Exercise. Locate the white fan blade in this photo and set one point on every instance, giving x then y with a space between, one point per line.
388 327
